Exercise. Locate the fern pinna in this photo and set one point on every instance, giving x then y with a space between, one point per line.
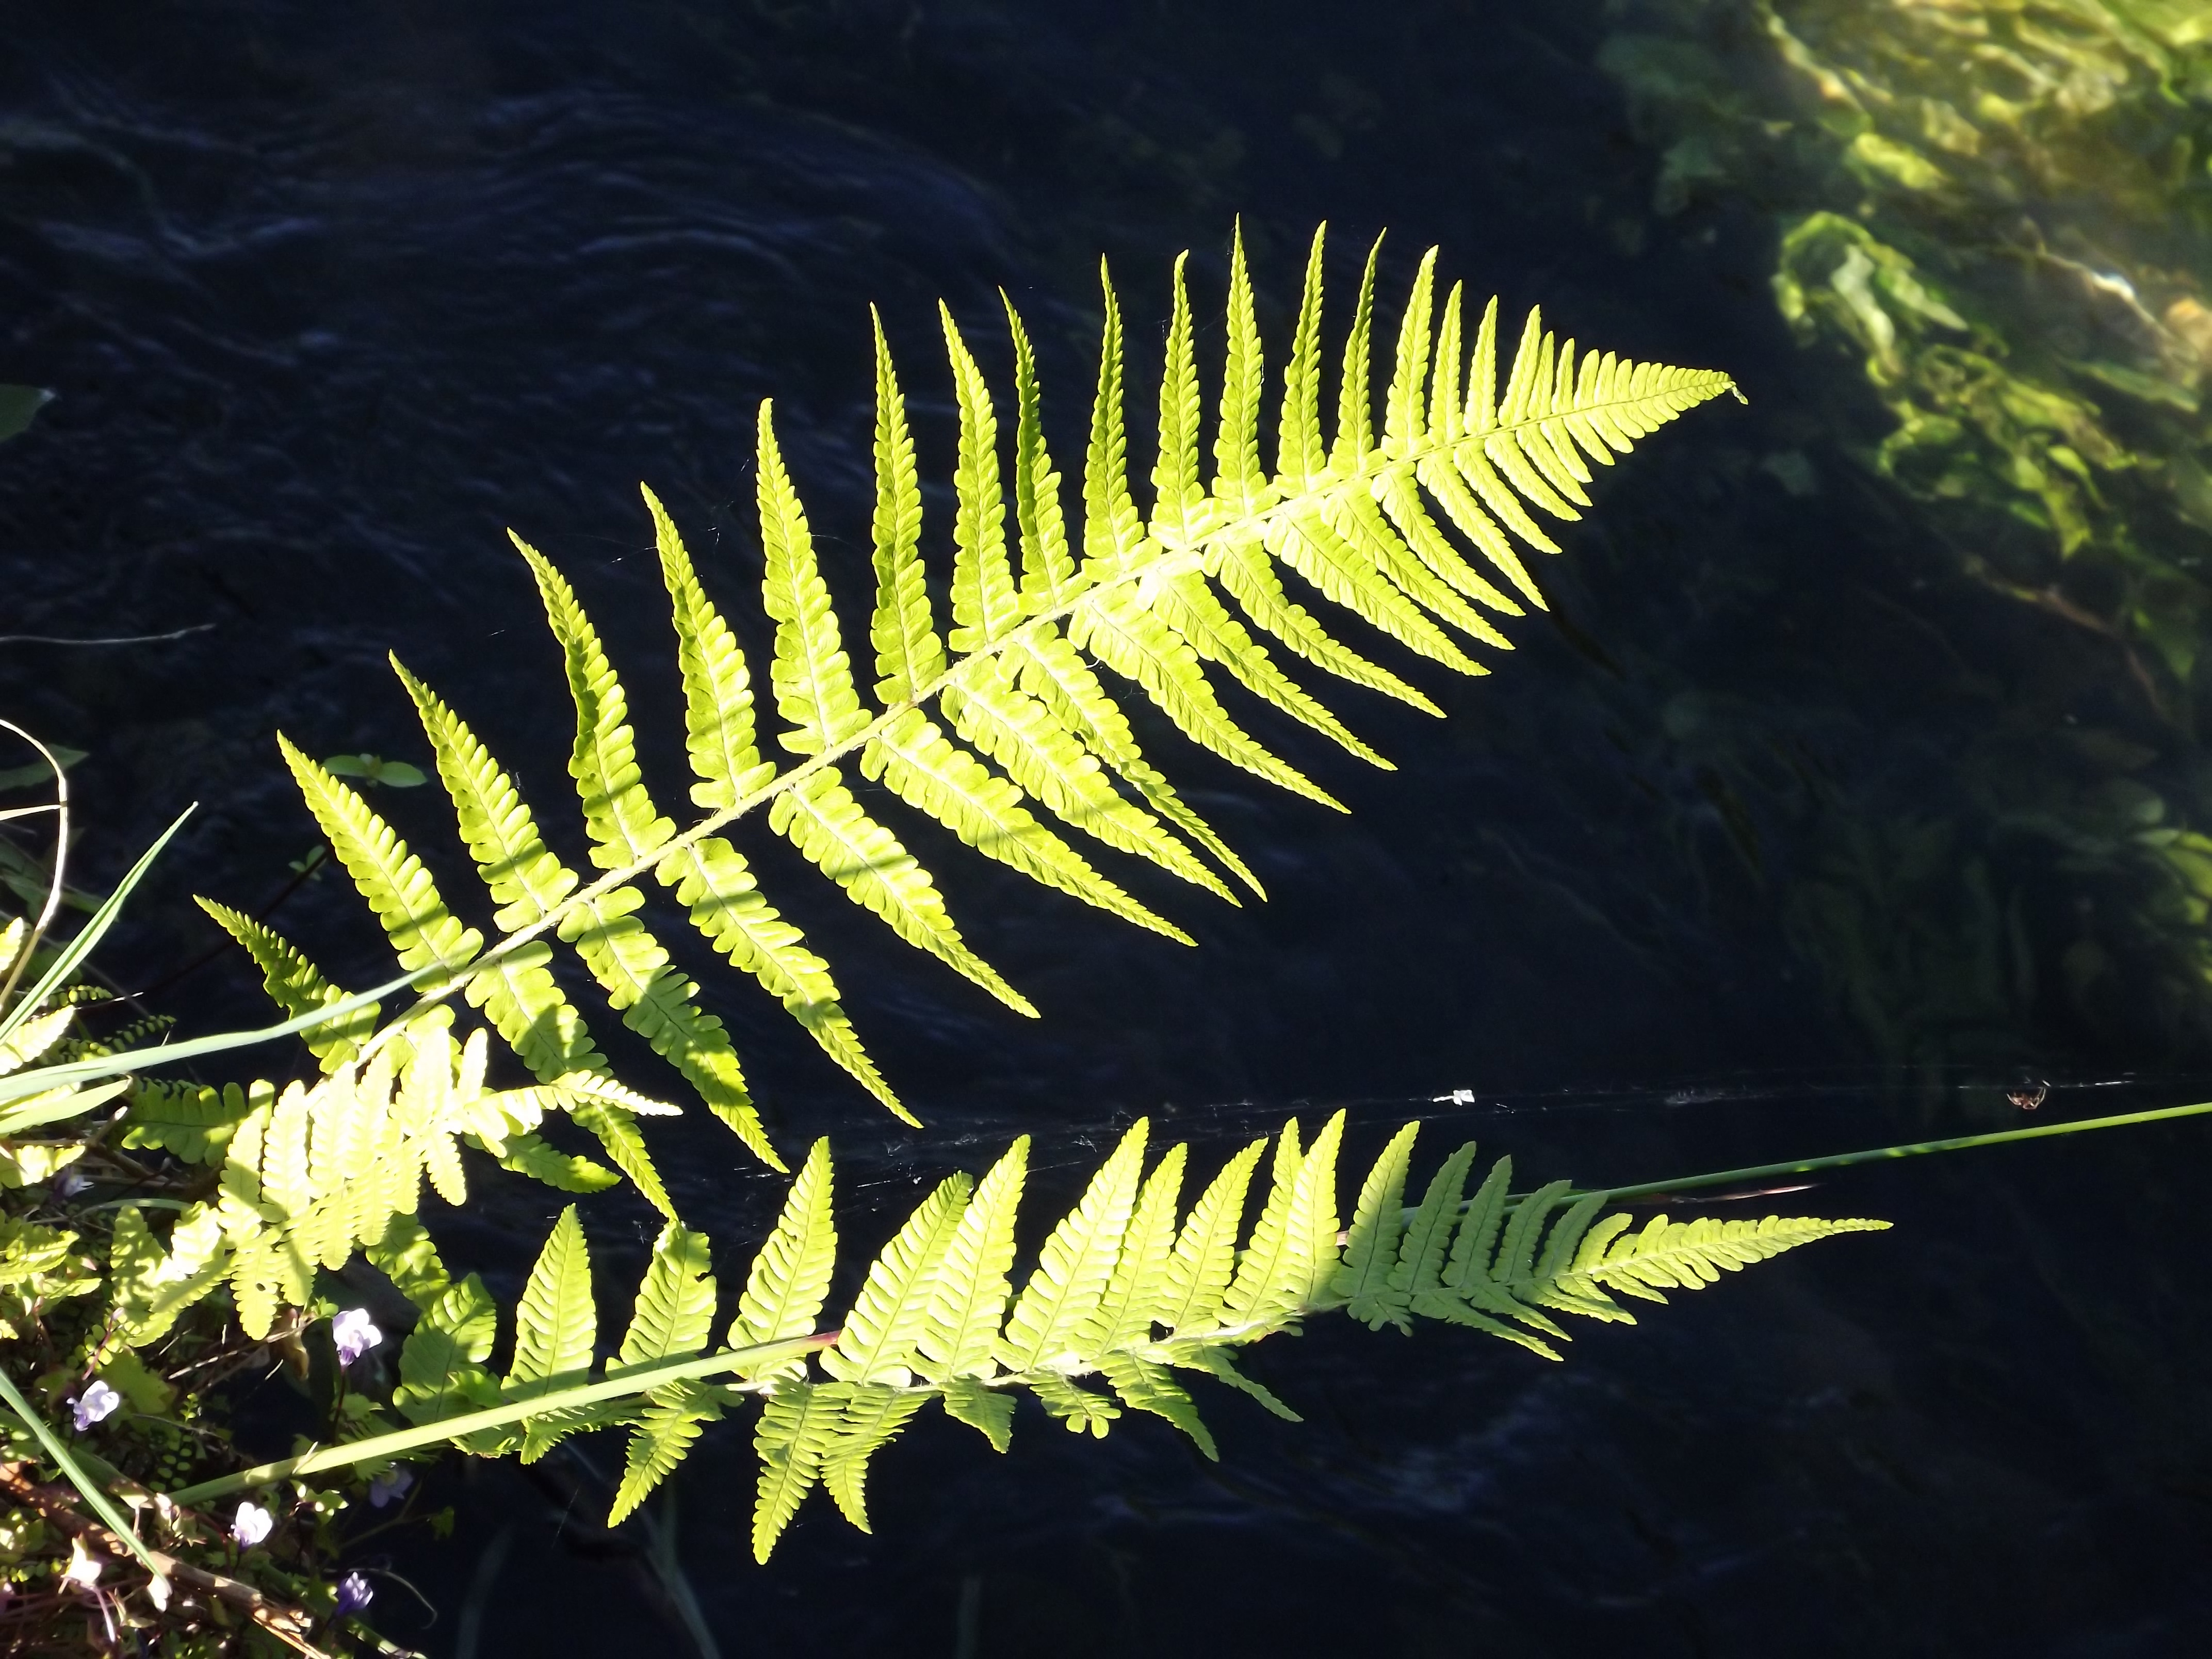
1129 1290
1003 726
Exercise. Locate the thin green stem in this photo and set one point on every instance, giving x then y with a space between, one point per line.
629 1384
65 1460
1911 1149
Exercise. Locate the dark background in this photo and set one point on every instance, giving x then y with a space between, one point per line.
329 301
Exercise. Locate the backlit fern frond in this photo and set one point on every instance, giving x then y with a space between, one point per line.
1123 1297
1012 730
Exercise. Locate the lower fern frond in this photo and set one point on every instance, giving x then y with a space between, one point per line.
1123 1297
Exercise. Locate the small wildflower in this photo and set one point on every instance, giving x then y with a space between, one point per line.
96 1403
84 1570
391 1483
354 1334
354 1594
69 1183
251 1524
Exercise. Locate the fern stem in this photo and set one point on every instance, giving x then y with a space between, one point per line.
1911 1149
636 1382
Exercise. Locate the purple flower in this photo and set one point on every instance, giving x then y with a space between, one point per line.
251 1524
354 1334
391 1483
96 1403
354 1594
69 1183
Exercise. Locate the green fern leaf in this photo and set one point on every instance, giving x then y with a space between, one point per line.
1189 607
1113 533
663 1436
1058 680
712 880
675 1312
1139 1285
1215 1362
524 878
982 1409
1083 1412
1689 1255
1139 646
526 1154
392 879
616 1128
874 1413
1143 1386
297 986
718 693
1063 1294
1300 461
1272 1259
892 1309
1240 484
1404 409
971 1291
1309 543
1048 574
441 1370
909 656
936 777
1180 513
711 877
406 1256
812 674
1355 435
555 1322
195 1124
1206 1249
149 1285
1421 1253
1248 575
1363 1285
821 818
796 1427
985 603
791 1275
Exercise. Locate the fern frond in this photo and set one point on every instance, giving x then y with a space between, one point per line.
1170 594
1113 1272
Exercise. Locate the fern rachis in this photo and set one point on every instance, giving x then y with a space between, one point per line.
1120 1295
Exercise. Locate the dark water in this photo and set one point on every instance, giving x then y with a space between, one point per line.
329 301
